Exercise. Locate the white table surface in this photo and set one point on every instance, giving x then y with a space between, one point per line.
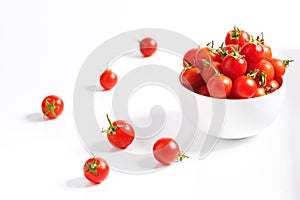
44 159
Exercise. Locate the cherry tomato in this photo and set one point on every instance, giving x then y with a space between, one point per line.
108 79
148 46
265 72
244 87
209 71
219 86
272 86
234 66
237 36
120 133
268 52
166 151
203 91
279 79
96 170
202 58
189 58
52 106
191 78
260 91
254 52
212 52
279 65
267 49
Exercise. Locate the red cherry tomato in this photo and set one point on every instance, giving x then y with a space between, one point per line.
244 87
189 58
191 78
279 79
237 36
253 52
272 86
203 91
120 133
148 46
202 58
96 170
267 49
166 151
108 79
279 66
268 52
219 86
264 68
209 71
52 106
234 66
260 91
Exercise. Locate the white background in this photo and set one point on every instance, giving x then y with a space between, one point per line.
42 47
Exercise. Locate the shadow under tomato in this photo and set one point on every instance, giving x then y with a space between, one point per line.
36 117
93 88
79 182
103 146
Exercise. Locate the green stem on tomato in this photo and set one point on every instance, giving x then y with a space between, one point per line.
207 63
181 156
287 63
112 129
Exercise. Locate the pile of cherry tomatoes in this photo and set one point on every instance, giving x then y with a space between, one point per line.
243 67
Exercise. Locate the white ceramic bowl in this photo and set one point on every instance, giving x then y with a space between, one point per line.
238 118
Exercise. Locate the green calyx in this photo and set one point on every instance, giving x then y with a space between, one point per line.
287 63
181 156
260 38
92 167
112 129
235 34
207 63
51 107
253 73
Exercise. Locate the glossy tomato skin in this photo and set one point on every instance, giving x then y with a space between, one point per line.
166 151
237 36
108 79
219 86
253 52
272 86
96 170
279 79
148 46
52 106
191 78
124 134
189 58
244 87
260 91
268 52
279 66
234 67
263 66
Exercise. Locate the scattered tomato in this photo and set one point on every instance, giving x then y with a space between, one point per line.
166 151
52 106
96 170
108 79
120 133
148 46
